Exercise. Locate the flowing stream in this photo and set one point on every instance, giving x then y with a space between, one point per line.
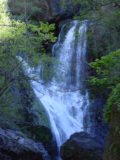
65 98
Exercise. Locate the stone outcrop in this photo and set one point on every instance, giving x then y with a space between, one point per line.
15 146
81 146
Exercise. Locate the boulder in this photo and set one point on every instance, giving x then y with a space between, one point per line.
15 146
82 146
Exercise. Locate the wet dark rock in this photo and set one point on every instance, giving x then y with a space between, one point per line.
15 146
82 146
94 120
44 135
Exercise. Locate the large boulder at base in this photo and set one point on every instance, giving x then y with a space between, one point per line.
15 146
81 146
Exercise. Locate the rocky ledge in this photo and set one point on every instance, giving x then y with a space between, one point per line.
82 146
15 146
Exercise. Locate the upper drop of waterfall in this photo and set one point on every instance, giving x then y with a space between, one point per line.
63 98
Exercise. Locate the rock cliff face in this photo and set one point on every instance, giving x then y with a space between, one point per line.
23 112
94 120
112 151
50 10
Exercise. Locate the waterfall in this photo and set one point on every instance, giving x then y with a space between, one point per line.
65 98
72 56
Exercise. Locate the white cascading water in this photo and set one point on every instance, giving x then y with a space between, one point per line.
63 98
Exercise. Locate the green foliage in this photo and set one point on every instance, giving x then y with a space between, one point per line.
22 9
26 38
107 80
117 130
113 101
19 37
107 72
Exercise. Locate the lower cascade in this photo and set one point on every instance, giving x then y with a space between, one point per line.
65 98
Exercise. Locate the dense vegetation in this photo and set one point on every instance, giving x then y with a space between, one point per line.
107 79
18 37
26 38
